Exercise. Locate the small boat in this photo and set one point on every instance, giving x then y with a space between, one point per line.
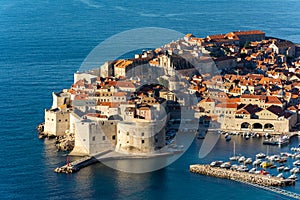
295 170
234 157
282 160
263 172
280 168
228 138
216 163
266 164
242 159
242 168
234 167
260 155
247 137
293 176
248 161
280 175
273 166
274 158
257 162
286 169
226 165
252 171
296 163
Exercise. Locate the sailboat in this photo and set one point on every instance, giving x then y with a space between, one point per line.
234 157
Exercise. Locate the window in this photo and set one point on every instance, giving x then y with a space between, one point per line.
94 138
143 134
59 120
103 137
113 137
127 133
66 120
143 141
156 140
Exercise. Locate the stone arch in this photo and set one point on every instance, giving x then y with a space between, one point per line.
245 125
257 126
269 127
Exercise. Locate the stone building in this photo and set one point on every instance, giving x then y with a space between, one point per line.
140 136
57 121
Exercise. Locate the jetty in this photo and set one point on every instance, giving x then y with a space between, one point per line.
257 179
76 165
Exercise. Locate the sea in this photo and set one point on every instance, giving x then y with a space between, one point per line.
42 43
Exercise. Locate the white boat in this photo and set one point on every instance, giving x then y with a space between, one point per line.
257 162
234 157
242 168
260 155
248 161
295 170
242 159
296 163
273 158
280 168
216 163
293 176
286 169
226 165
234 167
280 175
228 138
252 171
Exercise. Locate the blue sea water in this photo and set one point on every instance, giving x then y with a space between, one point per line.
42 43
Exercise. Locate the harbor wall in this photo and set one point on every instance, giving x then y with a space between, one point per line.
258 179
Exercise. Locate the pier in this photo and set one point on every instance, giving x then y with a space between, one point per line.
76 165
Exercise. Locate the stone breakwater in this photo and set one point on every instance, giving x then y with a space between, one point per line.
258 179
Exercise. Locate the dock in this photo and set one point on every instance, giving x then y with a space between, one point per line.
76 165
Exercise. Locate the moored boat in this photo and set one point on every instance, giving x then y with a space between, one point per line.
257 162
280 175
266 164
293 176
297 163
280 168
295 170
260 155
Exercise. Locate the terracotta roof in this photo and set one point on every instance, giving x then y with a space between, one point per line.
119 94
273 100
110 104
227 105
123 63
127 84
250 32
96 115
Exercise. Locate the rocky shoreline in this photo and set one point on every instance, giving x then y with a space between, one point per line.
62 143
